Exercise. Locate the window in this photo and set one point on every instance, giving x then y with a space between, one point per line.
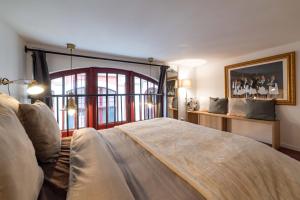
142 87
64 85
104 97
111 108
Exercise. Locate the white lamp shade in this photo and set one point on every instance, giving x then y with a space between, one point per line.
185 83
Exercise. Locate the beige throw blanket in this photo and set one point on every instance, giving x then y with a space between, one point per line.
219 165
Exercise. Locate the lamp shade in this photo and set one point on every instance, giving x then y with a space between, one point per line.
185 83
34 88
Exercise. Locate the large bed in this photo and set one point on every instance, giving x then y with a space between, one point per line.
153 159
170 159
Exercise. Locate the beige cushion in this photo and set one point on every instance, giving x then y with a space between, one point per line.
20 175
94 173
42 128
237 107
9 102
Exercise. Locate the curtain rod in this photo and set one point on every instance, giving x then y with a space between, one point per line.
93 57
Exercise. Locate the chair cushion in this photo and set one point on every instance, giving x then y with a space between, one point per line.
237 107
20 175
260 109
218 105
9 102
42 128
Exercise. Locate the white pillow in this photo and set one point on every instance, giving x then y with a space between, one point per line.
237 107
20 175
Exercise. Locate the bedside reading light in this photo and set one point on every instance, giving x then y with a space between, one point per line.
33 87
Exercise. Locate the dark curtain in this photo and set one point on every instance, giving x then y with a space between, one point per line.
41 75
163 71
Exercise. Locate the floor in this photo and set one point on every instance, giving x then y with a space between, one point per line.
291 153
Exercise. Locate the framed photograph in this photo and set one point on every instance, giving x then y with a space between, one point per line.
266 78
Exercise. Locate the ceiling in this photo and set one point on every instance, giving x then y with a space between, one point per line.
164 29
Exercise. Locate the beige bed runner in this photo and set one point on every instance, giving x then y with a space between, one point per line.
219 165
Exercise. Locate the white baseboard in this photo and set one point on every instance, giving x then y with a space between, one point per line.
288 146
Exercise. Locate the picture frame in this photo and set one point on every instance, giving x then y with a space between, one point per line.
271 77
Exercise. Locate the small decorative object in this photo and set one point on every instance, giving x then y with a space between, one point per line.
266 78
192 104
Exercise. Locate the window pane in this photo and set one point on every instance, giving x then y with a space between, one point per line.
124 108
137 85
61 112
144 90
70 84
144 86
81 82
101 110
57 89
137 107
112 89
151 90
111 109
121 84
81 112
137 104
121 103
102 99
112 83
156 88
101 83
150 87
81 89
69 87
56 86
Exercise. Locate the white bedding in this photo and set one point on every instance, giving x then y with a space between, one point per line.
219 165
94 175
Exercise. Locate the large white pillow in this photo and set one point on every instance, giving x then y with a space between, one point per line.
20 175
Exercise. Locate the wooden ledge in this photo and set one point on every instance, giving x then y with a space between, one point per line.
233 117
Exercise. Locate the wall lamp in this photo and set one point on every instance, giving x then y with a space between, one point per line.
33 87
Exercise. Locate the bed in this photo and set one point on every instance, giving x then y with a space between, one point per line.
170 159
154 159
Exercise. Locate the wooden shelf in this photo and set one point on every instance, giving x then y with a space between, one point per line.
262 130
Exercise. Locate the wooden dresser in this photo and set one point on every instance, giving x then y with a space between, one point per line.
261 130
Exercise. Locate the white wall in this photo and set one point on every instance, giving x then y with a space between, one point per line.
185 73
12 59
60 63
210 82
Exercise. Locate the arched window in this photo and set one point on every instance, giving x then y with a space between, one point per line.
105 97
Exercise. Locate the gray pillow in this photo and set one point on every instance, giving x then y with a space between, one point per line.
260 109
218 105
42 128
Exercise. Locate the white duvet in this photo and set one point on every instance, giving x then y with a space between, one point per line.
219 165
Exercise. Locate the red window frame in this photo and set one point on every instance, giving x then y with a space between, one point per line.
91 88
